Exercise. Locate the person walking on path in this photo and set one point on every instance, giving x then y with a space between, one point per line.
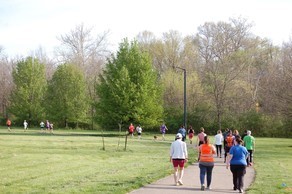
163 130
139 131
229 143
191 133
225 134
206 163
201 136
178 157
237 161
8 123
131 129
218 143
249 143
183 132
25 124
47 125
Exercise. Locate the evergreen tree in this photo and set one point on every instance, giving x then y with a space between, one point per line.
66 96
30 85
128 90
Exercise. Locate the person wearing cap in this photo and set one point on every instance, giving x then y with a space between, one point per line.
178 157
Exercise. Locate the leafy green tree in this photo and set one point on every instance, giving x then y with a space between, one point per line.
30 85
128 90
66 96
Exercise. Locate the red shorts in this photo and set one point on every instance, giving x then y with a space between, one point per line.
178 162
191 135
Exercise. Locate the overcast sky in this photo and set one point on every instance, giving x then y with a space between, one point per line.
26 25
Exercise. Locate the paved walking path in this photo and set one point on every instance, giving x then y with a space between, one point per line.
221 181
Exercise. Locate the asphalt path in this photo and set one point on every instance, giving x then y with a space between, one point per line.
221 181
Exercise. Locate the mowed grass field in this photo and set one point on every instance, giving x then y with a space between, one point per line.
74 162
273 165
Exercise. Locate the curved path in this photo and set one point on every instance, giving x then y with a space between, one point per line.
221 181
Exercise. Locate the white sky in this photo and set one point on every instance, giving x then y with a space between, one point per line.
26 25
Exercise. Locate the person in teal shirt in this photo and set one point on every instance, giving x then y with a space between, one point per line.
249 143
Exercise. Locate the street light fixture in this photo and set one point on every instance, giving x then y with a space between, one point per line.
185 95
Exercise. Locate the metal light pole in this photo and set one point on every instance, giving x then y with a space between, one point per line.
185 95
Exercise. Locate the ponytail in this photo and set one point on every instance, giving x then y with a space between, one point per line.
239 140
206 139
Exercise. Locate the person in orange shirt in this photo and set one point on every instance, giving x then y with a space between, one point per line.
206 163
229 143
131 129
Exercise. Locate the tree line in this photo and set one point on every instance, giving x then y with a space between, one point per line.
235 79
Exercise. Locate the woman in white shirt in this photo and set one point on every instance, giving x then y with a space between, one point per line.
218 142
178 157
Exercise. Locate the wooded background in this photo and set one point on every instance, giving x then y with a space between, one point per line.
235 79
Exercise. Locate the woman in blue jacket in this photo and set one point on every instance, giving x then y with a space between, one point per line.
237 161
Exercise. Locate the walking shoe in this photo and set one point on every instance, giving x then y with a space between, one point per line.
209 188
180 182
176 184
234 188
240 191
202 187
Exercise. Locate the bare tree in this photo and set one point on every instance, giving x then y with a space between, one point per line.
222 48
6 82
277 91
89 53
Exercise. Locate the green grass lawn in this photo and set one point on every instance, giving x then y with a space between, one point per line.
273 165
74 162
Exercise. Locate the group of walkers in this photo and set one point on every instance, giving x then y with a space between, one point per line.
131 130
47 126
238 154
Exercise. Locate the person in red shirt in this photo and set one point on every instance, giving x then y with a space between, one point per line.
8 123
131 129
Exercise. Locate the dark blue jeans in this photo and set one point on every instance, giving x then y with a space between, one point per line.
206 170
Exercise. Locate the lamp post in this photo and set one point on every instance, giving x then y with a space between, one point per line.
185 95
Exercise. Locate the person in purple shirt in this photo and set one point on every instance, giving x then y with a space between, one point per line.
163 130
237 161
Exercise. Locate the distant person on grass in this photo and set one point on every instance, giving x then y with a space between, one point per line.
8 123
249 143
131 129
42 125
237 161
178 157
139 131
163 130
25 125
51 127
47 125
206 163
